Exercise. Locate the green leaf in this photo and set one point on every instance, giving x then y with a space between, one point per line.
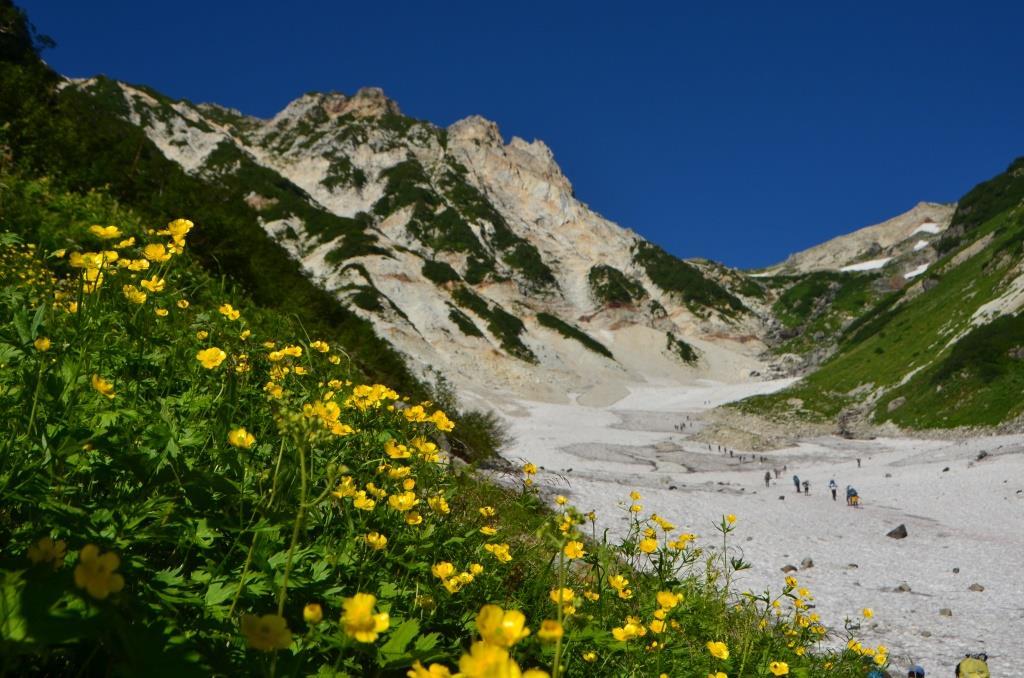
393 651
426 643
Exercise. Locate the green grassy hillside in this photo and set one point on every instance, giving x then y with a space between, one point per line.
922 356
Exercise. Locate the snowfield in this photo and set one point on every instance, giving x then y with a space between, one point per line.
872 265
964 514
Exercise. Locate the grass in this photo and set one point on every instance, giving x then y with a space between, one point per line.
816 307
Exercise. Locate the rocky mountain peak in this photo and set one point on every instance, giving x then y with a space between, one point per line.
476 129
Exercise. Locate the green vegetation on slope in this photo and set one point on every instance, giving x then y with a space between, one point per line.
920 354
681 349
609 285
686 281
503 325
817 306
570 332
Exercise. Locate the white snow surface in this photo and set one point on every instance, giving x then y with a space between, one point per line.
960 512
916 272
920 245
872 265
928 227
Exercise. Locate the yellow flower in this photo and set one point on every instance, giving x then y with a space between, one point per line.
618 582
488 530
530 469
499 551
592 595
435 671
718 674
47 550
550 630
201 335
376 540
667 600
443 569
239 437
403 501
485 660
574 549
321 346
564 595
156 253
438 503
779 668
42 344
127 242
133 294
476 568
359 621
636 508
631 630
362 502
96 574
730 518
634 495
267 633
396 451
160 312
178 229
561 500
648 545
868 613
211 357
313 613
791 582
413 518
718 649
105 232
229 312
102 386
657 626
590 657
500 627
487 511
154 284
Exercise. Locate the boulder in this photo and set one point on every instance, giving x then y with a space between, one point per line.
946 612
899 532
896 403
806 563
788 568
976 587
904 587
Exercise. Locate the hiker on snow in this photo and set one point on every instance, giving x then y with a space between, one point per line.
767 478
973 666
850 494
915 671
796 481
832 486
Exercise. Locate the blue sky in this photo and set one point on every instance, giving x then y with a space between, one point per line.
736 131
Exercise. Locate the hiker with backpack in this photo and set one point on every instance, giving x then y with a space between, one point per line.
851 496
767 478
973 666
796 481
915 671
832 486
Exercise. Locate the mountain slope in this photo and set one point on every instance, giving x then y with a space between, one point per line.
946 350
898 245
470 255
